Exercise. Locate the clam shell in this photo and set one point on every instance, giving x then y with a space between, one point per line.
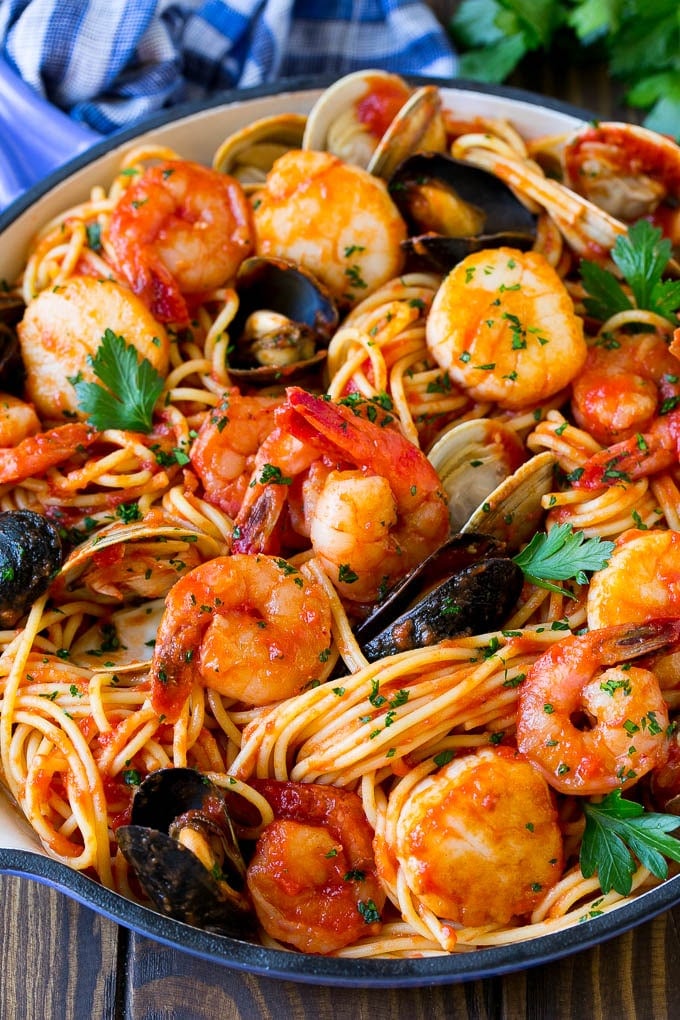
120 642
249 154
418 125
331 126
155 528
513 511
472 459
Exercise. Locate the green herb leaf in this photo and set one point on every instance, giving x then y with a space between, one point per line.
615 830
561 554
642 257
130 391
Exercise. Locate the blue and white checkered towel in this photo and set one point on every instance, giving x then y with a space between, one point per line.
109 62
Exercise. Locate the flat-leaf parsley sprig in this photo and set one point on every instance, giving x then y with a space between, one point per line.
562 554
617 832
130 391
642 257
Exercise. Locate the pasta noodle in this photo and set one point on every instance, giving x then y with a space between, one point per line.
89 706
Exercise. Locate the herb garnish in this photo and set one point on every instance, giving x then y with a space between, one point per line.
130 391
642 257
560 554
615 830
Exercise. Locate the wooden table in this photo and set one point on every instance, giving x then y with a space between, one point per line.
61 961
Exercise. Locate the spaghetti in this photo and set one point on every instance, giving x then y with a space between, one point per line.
89 706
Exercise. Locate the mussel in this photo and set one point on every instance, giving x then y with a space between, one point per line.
453 209
12 372
182 847
284 322
30 557
467 586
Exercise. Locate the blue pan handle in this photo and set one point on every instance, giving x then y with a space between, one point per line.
35 136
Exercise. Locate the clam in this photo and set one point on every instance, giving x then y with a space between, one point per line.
121 641
126 560
30 556
452 209
284 322
373 119
12 372
467 586
128 567
249 154
514 510
182 847
472 459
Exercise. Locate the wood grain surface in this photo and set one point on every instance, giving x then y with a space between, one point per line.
61 961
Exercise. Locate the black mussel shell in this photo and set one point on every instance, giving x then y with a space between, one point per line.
173 877
468 586
30 556
281 286
499 217
12 371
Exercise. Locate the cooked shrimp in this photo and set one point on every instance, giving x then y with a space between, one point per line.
624 384
180 229
62 329
641 455
336 220
378 509
17 420
313 877
250 627
641 581
479 840
623 168
223 453
36 453
590 729
503 325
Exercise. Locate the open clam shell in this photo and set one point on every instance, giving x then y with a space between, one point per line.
513 512
344 121
334 124
249 154
418 125
120 642
170 548
472 459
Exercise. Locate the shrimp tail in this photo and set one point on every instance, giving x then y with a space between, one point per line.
36 454
624 641
638 457
338 430
173 670
257 529
151 281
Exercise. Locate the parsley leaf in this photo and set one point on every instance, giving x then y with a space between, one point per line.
130 391
615 830
560 554
642 256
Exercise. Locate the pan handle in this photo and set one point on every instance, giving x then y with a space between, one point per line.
36 137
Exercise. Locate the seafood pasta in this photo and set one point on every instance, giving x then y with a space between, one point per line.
340 527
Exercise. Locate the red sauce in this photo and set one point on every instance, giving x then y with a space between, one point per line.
379 106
